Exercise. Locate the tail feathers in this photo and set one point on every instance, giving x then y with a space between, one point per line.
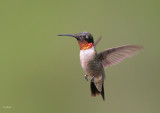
95 92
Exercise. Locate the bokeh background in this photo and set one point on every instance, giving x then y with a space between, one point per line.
41 73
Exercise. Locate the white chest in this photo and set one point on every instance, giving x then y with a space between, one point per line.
86 55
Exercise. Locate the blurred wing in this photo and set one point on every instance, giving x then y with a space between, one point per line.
114 56
97 41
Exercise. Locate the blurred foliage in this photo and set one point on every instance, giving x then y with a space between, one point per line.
40 72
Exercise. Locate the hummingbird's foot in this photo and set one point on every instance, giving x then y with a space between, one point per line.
92 79
86 77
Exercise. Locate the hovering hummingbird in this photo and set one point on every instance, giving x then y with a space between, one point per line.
94 63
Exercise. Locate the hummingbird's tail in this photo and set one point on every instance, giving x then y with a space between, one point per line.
94 90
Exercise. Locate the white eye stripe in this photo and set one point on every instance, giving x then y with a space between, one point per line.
85 36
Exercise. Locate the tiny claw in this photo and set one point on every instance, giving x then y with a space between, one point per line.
92 79
86 77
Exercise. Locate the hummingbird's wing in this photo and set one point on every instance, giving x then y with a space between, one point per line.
114 56
97 41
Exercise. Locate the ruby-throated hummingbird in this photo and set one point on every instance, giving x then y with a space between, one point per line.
93 63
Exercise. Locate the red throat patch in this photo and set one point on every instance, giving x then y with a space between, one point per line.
85 45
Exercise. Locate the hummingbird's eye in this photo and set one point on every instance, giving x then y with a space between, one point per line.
85 36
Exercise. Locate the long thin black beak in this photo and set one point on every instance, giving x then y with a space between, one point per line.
71 35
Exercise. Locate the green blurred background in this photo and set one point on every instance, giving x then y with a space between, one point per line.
41 73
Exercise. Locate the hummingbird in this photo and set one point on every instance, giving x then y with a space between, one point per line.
94 63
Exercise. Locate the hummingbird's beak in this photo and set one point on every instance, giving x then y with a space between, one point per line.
71 35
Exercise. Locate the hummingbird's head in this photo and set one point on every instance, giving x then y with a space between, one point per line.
84 39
